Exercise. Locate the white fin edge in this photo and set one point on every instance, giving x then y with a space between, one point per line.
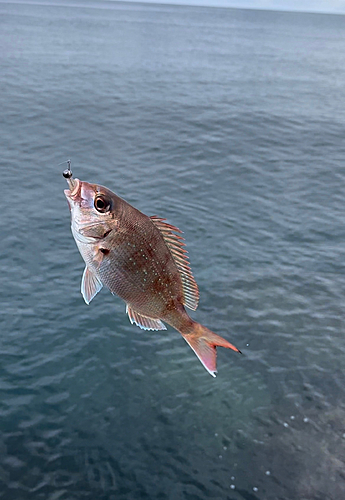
144 322
213 373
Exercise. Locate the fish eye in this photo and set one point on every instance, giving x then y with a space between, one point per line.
102 204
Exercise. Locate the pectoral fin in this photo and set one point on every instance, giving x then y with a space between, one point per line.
143 321
90 285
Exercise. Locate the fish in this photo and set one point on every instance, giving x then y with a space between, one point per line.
141 259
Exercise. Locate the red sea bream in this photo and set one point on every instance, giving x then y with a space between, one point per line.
142 260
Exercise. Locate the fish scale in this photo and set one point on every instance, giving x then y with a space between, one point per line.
139 267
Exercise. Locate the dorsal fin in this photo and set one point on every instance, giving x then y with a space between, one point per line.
175 245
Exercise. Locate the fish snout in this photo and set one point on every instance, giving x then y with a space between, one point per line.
74 196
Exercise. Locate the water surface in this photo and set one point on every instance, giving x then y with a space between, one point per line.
231 125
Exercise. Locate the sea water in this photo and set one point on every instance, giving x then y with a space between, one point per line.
230 124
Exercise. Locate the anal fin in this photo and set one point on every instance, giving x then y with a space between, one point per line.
143 321
90 285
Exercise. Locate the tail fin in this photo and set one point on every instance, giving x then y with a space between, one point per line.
204 343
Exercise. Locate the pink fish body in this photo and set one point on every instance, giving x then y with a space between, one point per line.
142 260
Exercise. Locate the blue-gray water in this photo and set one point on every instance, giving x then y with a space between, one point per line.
230 124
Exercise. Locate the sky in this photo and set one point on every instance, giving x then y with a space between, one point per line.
330 6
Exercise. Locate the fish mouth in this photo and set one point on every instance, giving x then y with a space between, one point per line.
73 195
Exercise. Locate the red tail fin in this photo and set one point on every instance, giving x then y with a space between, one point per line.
204 343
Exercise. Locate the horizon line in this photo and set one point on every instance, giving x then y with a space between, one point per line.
74 3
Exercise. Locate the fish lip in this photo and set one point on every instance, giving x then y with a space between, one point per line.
75 194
